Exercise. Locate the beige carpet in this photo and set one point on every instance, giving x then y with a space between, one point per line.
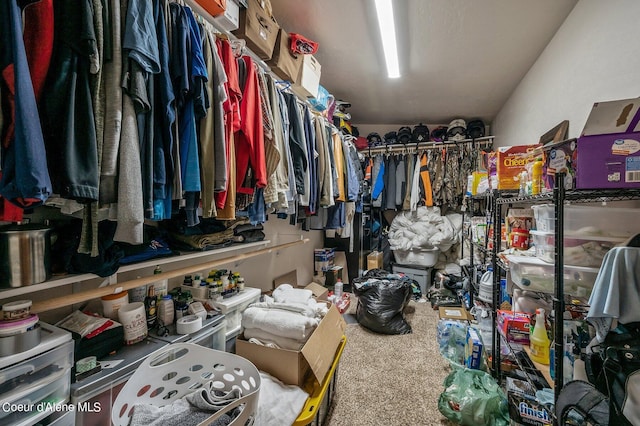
391 379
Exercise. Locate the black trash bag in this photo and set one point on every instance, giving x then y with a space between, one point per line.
381 301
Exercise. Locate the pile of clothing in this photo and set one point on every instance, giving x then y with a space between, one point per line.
284 321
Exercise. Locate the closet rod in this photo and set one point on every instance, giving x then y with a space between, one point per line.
424 146
200 11
86 295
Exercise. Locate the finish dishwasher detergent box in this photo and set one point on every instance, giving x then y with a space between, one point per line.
609 155
511 161
524 410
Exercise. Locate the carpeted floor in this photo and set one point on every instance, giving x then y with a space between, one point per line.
390 379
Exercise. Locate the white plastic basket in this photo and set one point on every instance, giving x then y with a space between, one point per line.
182 368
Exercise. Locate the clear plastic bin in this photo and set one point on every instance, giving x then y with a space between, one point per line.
601 221
578 250
531 273
545 217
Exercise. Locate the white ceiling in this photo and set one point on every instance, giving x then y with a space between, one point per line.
458 58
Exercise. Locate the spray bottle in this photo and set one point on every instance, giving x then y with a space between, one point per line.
539 341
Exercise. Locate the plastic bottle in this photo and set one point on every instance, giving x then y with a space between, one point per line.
486 286
160 286
150 308
166 310
536 176
337 289
539 341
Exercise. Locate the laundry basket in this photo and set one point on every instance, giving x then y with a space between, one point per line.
182 368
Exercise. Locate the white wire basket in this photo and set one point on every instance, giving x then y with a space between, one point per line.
182 368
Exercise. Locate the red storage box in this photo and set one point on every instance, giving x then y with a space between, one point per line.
213 7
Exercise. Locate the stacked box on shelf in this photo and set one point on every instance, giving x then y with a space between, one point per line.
589 232
609 146
324 259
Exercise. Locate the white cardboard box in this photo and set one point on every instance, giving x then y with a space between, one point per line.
306 85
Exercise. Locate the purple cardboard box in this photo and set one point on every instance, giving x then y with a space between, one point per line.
609 155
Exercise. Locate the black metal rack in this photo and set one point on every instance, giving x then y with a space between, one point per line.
559 197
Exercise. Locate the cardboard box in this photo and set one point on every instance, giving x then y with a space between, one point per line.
230 19
213 7
258 29
454 313
610 146
319 291
374 260
473 349
514 326
306 85
292 367
560 157
284 63
523 407
323 259
510 162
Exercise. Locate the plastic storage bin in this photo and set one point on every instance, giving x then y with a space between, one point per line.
421 275
417 256
544 215
50 394
178 370
578 250
601 221
233 307
531 273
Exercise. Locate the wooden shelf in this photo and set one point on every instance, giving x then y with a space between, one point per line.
90 294
544 369
62 280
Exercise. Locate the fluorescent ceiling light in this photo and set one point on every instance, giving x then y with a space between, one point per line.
384 9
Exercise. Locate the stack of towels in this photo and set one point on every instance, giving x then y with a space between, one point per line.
284 321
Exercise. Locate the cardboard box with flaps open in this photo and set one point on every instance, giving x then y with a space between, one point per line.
292 367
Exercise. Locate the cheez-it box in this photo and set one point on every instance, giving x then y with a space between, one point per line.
511 161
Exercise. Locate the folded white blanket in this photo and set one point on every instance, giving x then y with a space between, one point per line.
286 293
268 339
278 404
298 308
278 322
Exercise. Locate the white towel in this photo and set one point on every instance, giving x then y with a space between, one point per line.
298 308
278 404
267 339
285 293
281 323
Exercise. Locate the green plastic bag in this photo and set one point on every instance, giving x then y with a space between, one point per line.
473 398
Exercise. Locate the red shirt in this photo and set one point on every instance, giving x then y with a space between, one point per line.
249 139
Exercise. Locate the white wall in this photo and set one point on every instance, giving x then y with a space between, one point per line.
594 56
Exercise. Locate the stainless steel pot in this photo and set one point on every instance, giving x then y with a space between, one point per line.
25 255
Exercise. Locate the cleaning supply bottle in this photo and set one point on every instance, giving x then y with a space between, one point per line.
539 341
337 289
536 176
486 286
